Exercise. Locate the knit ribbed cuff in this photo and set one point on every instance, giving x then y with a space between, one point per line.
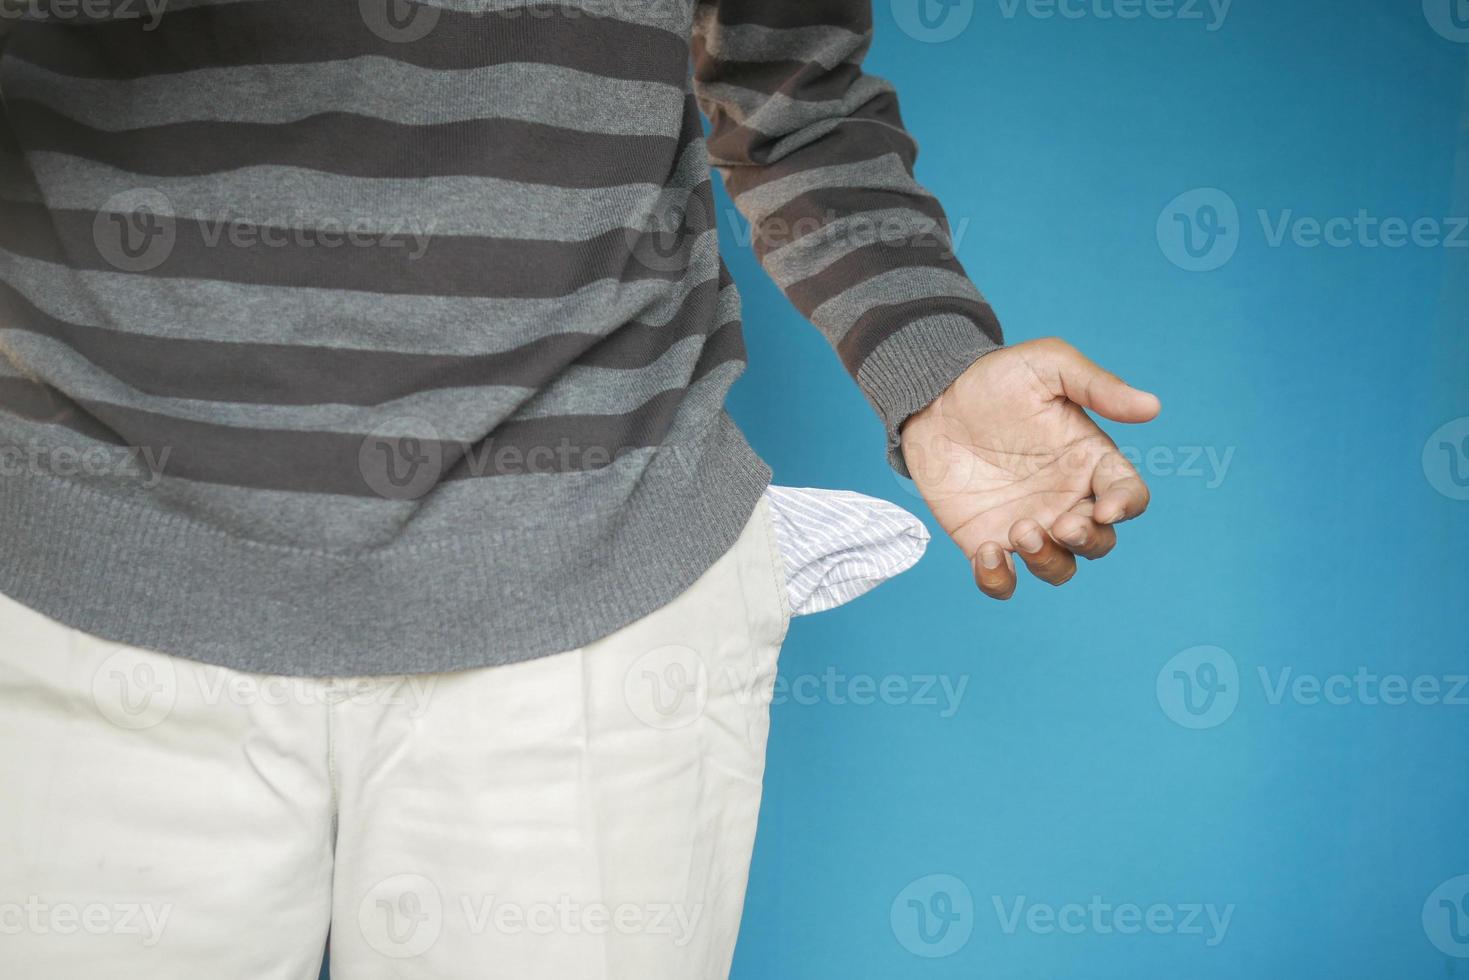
916 364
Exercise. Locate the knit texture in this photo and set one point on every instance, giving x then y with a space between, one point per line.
384 337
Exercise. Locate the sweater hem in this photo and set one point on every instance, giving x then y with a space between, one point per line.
147 578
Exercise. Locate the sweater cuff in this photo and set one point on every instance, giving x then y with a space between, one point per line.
910 369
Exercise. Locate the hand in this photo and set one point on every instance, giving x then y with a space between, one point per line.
1009 461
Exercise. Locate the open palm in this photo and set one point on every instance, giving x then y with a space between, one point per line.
1010 462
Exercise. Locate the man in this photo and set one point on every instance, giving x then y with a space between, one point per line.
361 378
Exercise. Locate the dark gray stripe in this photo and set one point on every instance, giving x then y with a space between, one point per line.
872 132
811 212
235 312
881 322
297 32
333 462
850 15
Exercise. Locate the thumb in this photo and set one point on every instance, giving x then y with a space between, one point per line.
1071 375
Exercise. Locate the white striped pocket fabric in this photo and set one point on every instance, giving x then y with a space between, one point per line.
837 544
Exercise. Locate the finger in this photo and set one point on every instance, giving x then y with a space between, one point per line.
1120 493
993 571
1081 534
1070 373
1046 559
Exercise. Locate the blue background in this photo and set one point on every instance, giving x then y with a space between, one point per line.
1058 143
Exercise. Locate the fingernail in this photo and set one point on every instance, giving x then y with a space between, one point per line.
1032 541
1076 538
989 557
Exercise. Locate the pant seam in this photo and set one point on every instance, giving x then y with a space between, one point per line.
777 568
331 764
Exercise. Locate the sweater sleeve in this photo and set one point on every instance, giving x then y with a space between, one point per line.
814 153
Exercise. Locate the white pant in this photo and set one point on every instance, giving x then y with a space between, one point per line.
584 816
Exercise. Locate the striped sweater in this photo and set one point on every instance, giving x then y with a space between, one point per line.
378 336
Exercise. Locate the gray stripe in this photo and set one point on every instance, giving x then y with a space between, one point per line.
132 9
596 391
830 46
885 173
255 373
360 146
777 114
804 257
673 16
668 16
233 312
402 262
293 197
366 86
836 316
